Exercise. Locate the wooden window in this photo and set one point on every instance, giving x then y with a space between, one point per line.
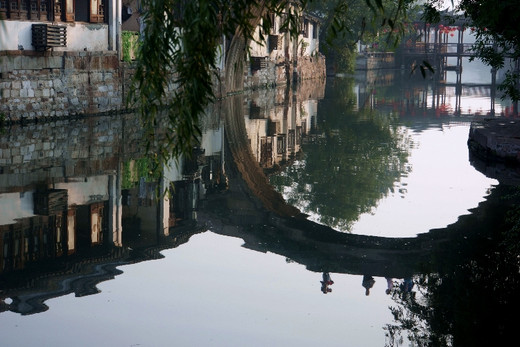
33 10
3 9
71 231
38 9
92 11
24 9
97 11
274 42
305 28
97 220
57 9
18 9
69 10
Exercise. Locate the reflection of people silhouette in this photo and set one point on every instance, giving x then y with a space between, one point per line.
368 282
326 283
407 285
390 285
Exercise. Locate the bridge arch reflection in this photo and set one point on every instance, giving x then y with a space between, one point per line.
246 207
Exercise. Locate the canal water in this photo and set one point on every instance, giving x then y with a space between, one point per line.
346 213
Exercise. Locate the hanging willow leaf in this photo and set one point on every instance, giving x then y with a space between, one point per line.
428 66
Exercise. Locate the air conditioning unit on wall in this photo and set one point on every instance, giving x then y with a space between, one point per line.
45 36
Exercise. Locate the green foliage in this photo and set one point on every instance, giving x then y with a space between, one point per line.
423 67
130 44
498 37
134 170
346 22
355 161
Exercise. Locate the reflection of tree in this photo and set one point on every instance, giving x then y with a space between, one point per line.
472 297
350 165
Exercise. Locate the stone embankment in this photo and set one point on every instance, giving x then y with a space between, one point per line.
496 139
41 152
38 86
280 72
35 85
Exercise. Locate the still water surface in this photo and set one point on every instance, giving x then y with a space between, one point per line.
215 266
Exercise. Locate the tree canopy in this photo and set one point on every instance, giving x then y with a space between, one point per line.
348 22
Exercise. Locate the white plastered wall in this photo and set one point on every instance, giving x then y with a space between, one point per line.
93 37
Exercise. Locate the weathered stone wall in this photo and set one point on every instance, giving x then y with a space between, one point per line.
495 139
268 76
50 85
374 61
66 148
281 73
311 67
36 85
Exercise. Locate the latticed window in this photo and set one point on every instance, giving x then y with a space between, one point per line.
38 9
18 9
14 6
57 9
3 9
53 10
25 9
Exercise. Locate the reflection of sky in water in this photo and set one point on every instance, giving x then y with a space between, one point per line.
441 186
211 291
14 206
475 97
231 296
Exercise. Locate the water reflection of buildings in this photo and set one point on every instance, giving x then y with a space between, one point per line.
414 95
276 123
67 203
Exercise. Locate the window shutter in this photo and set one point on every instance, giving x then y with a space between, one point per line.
69 10
97 11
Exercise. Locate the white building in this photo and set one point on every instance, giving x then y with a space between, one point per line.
86 25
